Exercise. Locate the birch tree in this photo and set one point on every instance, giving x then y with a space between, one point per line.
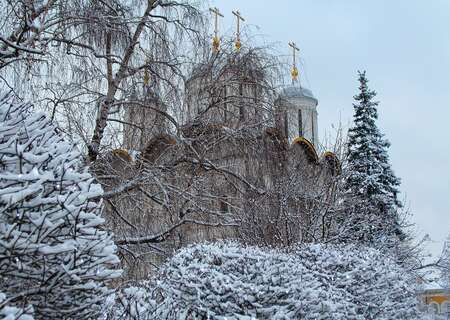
27 29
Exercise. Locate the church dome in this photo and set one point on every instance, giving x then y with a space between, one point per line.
298 92
297 116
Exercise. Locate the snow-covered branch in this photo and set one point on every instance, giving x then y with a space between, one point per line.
54 256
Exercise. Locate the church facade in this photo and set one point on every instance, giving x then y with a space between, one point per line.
244 165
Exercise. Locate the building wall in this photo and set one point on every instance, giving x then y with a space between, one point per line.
239 199
143 122
230 97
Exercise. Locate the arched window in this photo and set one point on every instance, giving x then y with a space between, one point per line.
241 107
255 93
300 123
286 124
224 207
225 104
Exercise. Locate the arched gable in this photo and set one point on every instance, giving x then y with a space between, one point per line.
122 154
116 161
156 146
308 147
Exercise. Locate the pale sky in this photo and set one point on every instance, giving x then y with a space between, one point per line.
405 47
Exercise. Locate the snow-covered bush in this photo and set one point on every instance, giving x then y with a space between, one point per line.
368 284
13 313
430 316
228 281
53 254
131 303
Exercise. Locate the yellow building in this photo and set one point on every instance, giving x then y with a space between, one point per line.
436 300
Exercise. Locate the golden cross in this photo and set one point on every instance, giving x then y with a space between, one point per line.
239 18
216 41
294 71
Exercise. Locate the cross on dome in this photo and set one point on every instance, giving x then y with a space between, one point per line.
294 71
216 40
239 18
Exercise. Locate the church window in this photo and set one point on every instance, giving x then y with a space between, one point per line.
225 104
286 123
224 207
300 123
241 106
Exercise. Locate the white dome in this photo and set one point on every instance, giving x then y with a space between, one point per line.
297 92
298 117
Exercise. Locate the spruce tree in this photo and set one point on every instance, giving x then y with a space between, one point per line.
371 183
54 257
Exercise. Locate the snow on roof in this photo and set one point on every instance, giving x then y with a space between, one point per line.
297 92
432 285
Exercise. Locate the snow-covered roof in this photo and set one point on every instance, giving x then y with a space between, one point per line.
432 285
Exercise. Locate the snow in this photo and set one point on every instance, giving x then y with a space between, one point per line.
54 255
370 178
231 281
297 92
13 313
56 259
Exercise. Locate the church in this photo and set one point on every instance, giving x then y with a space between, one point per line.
242 163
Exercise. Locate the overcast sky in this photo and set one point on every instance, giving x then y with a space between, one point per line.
405 48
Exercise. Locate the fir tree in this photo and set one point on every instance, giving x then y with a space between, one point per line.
371 183
54 258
